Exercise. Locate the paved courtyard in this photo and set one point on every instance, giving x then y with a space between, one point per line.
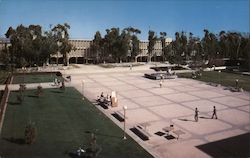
153 108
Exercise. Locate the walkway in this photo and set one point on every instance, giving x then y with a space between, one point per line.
15 87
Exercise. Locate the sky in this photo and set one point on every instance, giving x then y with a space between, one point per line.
88 16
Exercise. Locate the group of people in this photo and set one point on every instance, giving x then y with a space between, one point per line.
196 115
104 99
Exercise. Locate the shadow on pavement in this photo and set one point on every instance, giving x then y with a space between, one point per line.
186 120
203 117
238 146
19 141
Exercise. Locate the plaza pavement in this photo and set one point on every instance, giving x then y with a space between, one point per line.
154 108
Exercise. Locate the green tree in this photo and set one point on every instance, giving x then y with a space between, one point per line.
177 56
61 35
210 45
48 47
134 44
163 44
183 42
234 40
152 38
96 46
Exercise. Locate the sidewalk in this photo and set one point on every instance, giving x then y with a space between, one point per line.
15 87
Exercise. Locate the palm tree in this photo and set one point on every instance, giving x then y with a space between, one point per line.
210 45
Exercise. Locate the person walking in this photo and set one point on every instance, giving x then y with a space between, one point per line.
214 113
160 83
196 115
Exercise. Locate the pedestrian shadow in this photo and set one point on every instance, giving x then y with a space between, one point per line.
19 141
33 96
14 103
103 134
182 119
204 117
53 91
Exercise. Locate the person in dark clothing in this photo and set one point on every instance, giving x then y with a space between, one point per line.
196 115
214 113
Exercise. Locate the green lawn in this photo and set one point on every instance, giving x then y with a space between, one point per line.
63 121
35 78
223 78
3 76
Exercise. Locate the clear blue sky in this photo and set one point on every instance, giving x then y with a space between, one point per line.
87 16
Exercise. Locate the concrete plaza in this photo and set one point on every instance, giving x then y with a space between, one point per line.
153 108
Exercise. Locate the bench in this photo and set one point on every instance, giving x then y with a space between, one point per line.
178 133
120 114
171 129
140 133
142 130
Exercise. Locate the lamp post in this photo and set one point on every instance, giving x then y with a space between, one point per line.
218 55
124 125
82 89
237 84
219 72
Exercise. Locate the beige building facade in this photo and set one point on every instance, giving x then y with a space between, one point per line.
82 54
4 43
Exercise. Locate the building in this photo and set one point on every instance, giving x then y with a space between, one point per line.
78 55
82 54
4 43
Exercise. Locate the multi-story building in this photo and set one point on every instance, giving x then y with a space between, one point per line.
79 54
4 43
157 51
82 53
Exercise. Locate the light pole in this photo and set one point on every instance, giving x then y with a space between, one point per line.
219 72
237 84
82 89
124 125
238 65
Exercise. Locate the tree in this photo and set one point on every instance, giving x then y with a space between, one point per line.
195 50
183 42
177 56
223 44
29 46
96 46
134 41
234 40
163 44
152 38
61 35
49 46
30 133
210 45
121 46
